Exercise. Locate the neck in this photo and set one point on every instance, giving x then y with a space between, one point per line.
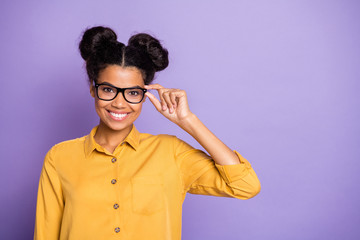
109 138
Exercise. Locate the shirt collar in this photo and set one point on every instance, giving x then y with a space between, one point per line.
133 139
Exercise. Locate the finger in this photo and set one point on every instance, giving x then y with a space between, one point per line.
160 90
167 101
154 101
162 100
154 86
173 96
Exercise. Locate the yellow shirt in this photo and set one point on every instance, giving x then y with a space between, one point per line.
136 193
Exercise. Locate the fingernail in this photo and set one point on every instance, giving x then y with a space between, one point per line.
163 107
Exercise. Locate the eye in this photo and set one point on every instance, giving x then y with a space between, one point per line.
133 92
107 89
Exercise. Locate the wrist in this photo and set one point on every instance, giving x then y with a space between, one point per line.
189 123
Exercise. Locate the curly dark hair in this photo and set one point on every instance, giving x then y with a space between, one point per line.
99 48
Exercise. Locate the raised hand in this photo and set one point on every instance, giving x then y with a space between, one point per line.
173 103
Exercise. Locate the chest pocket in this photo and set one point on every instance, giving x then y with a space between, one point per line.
147 194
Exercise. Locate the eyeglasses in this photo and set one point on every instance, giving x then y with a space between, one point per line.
108 92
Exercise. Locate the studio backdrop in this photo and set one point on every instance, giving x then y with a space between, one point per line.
276 80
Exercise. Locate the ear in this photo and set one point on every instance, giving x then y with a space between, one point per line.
92 91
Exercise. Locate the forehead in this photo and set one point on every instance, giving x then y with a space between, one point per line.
121 76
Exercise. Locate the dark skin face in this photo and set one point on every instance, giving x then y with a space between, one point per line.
116 116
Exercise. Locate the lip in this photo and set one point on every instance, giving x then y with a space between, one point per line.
118 118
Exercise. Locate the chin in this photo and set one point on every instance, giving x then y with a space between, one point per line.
118 127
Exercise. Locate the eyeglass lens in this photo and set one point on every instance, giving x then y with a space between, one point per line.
134 95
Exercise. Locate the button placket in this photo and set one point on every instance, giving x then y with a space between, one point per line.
113 181
115 206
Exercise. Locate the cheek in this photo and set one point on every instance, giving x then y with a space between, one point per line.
99 105
137 108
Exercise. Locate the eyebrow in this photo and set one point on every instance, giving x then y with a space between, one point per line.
137 86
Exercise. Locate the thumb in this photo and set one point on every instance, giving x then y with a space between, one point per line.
154 101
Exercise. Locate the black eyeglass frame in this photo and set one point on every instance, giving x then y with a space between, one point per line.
122 90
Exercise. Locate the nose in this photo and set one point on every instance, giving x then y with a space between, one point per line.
119 101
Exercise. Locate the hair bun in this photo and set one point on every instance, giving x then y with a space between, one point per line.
93 38
152 46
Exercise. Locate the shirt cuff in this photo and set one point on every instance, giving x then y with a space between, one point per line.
232 173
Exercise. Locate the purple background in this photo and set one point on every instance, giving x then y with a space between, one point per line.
276 80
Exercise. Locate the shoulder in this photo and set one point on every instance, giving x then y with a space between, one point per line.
69 146
158 137
163 140
159 140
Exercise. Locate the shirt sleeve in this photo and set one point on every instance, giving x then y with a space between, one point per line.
201 175
50 202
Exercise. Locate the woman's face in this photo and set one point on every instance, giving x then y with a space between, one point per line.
118 114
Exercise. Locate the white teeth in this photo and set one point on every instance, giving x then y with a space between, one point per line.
118 115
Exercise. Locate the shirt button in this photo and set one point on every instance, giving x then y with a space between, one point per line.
113 160
113 181
117 229
116 206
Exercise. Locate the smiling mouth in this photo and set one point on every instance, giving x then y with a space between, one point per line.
118 116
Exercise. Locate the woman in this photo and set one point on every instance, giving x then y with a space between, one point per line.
117 183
